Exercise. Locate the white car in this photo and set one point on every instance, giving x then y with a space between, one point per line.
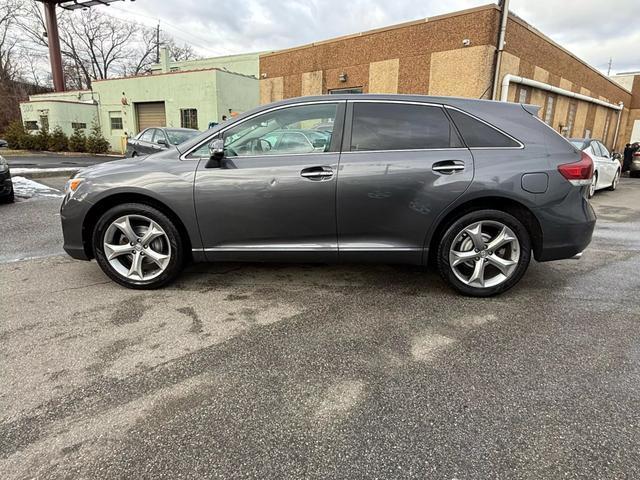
606 168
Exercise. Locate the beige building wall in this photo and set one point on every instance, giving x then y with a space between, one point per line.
271 90
311 83
463 72
383 76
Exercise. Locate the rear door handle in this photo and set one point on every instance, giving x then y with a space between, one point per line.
448 167
317 173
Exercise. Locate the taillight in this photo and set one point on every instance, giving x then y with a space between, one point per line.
580 172
636 154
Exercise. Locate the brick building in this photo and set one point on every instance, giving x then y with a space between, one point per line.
455 54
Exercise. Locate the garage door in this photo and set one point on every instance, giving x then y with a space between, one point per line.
150 114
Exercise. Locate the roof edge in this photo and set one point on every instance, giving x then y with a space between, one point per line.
490 6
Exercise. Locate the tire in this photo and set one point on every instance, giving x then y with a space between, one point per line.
160 259
614 183
9 198
134 154
592 187
462 235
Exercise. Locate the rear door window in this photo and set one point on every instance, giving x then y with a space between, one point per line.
595 148
477 134
399 126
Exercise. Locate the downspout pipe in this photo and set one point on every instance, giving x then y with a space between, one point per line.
504 16
509 79
615 135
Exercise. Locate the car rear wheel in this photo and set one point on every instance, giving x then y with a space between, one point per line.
138 246
616 180
484 253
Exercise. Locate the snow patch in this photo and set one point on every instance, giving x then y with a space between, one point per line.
27 188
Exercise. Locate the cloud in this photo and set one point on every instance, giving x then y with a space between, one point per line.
592 29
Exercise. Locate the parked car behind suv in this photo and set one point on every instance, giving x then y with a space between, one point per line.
476 187
152 140
6 184
606 167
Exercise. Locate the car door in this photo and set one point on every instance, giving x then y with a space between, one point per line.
610 163
260 202
158 137
600 164
145 142
402 163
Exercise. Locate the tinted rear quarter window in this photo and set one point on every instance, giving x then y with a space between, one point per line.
477 134
397 126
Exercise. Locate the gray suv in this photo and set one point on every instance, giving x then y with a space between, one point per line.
474 187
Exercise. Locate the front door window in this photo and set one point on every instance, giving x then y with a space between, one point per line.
291 130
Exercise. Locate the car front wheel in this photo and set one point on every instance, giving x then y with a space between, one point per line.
484 253
138 246
594 183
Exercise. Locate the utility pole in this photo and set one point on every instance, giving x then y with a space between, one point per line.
158 42
53 40
609 69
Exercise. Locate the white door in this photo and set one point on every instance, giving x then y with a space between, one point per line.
610 163
600 164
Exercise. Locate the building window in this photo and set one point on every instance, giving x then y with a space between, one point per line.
31 125
116 123
548 109
189 118
587 133
44 121
337 91
78 125
571 118
523 94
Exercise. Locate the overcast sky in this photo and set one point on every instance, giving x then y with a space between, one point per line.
594 30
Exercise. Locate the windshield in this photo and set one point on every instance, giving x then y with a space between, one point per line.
176 137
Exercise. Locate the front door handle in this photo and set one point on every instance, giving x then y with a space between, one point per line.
448 167
317 173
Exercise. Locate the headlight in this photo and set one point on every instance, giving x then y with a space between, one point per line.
4 166
72 185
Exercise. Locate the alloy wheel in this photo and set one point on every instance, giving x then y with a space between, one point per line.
592 187
616 179
137 247
484 254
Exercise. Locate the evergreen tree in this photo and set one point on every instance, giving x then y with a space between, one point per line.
58 142
96 143
14 134
78 141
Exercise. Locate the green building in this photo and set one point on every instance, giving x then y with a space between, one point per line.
189 94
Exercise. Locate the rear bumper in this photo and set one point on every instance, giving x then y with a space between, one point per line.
566 230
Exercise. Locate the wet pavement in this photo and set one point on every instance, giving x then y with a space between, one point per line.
274 371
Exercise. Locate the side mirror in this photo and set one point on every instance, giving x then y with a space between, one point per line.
216 153
617 156
319 142
162 141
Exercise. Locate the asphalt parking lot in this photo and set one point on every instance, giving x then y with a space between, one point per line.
312 371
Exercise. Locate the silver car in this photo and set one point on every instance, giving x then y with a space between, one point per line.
473 187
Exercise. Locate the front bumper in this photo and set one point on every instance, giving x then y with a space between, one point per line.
72 216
